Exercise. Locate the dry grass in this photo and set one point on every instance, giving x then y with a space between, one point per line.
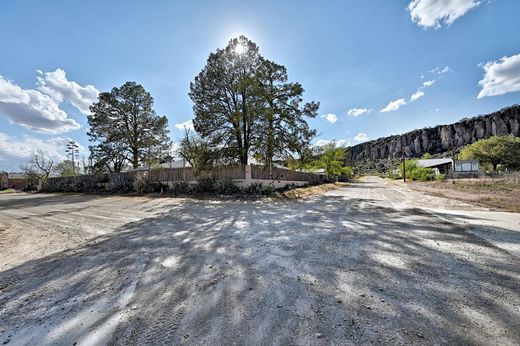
503 194
307 191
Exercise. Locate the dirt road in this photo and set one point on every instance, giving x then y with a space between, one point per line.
368 263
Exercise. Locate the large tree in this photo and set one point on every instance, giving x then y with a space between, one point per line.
283 130
243 105
125 127
504 150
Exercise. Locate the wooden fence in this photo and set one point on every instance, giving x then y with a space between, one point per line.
128 181
276 173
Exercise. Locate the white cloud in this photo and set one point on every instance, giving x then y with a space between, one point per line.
361 137
355 112
321 142
33 109
15 151
501 77
339 142
441 70
434 13
417 95
394 105
428 83
331 118
56 85
188 124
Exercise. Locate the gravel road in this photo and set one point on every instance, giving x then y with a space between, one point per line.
372 262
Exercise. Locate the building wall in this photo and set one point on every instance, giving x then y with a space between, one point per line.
17 184
4 181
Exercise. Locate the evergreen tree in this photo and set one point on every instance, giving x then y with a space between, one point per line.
125 127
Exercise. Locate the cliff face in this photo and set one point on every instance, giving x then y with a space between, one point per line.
440 138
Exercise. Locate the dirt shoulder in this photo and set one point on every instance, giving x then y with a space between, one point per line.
493 194
307 191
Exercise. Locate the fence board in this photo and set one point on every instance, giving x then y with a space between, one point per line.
262 172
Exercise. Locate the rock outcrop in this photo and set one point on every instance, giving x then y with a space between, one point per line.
440 138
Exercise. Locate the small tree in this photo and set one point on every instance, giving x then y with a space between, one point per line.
332 159
66 168
198 153
39 167
504 150
416 173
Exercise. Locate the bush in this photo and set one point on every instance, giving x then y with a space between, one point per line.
180 187
422 174
415 173
204 185
440 177
259 189
225 186
140 184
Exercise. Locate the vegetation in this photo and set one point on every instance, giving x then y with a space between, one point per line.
494 151
328 157
198 153
126 129
66 168
39 167
416 173
244 106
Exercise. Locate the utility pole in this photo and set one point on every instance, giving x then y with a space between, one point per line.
404 164
72 150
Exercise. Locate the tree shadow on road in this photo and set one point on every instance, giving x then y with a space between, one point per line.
321 270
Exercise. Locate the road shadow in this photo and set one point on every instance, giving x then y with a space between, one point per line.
324 270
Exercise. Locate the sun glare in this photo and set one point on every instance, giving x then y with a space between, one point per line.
240 49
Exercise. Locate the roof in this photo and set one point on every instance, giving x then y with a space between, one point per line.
172 164
16 176
434 162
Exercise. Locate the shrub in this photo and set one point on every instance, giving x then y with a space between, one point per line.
225 186
204 185
259 189
180 187
140 183
413 172
440 177
422 174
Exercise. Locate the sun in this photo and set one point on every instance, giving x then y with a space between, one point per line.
240 49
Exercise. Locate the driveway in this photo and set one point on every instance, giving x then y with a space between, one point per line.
372 262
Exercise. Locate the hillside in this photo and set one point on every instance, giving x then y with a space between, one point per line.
435 140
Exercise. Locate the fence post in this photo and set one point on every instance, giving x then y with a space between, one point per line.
247 170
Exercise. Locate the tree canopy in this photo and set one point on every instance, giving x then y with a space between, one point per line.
503 150
244 105
126 129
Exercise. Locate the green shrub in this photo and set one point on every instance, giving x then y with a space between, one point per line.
180 187
422 174
259 189
415 173
225 186
204 185
440 177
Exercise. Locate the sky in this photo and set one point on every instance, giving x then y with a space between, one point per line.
377 67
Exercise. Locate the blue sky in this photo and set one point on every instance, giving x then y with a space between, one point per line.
362 56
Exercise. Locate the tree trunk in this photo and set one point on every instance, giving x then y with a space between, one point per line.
135 158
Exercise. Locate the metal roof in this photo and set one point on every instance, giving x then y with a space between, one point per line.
433 162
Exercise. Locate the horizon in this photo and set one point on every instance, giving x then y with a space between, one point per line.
412 66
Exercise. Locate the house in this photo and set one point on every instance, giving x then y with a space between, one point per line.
17 181
466 166
439 166
4 180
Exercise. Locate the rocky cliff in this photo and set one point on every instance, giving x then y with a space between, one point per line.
440 138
